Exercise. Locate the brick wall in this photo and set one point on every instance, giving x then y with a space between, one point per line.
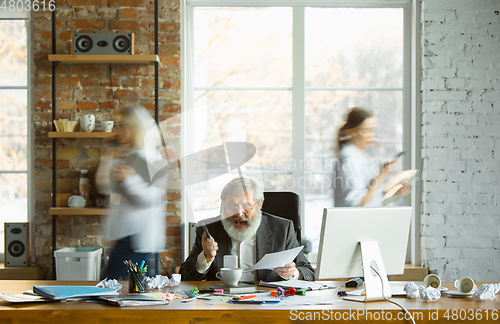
87 88
461 138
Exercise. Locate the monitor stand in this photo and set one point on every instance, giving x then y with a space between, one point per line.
371 257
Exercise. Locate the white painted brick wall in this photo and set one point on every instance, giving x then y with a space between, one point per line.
461 138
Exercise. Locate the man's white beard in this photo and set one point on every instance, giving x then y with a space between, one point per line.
242 234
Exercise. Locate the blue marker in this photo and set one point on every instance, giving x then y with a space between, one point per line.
142 265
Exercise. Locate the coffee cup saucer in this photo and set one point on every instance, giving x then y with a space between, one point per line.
459 294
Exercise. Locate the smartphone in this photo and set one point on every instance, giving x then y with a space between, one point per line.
400 154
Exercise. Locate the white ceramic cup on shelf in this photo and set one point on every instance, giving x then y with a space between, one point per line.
230 276
87 123
107 125
76 201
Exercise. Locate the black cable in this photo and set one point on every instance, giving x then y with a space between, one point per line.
41 268
111 85
390 301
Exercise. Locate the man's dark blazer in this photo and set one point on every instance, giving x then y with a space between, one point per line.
275 234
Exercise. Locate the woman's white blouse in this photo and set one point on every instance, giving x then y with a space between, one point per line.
354 172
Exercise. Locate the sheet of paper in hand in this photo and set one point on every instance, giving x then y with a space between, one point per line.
277 259
395 183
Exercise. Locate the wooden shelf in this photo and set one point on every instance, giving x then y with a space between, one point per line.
77 211
20 273
412 273
80 134
91 59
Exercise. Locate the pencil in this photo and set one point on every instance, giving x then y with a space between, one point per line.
246 297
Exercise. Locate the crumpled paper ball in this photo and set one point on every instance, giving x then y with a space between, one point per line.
487 291
429 294
162 281
110 283
411 290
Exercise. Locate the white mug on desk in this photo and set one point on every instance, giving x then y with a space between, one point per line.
433 281
465 285
230 276
87 122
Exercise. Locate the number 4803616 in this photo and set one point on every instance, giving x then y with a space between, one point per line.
28 5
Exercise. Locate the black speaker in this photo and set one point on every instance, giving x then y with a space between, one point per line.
17 252
103 43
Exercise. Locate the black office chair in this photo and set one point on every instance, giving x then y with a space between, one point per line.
285 204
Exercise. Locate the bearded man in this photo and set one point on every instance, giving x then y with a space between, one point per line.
242 229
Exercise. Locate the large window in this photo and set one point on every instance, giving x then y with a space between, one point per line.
282 78
14 152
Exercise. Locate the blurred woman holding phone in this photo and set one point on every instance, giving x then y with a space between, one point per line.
136 220
357 175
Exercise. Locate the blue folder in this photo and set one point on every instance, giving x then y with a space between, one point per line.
65 292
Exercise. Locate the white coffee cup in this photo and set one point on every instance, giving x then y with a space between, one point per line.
465 285
76 201
230 276
433 281
87 123
107 125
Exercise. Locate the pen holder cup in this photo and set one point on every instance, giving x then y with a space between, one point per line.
136 282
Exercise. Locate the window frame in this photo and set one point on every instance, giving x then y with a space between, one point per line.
27 16
410 92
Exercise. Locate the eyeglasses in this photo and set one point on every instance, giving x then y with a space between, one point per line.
233 209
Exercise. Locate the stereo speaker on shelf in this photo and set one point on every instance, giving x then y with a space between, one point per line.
103 43
16 245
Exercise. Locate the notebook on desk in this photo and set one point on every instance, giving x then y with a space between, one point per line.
66 292
241 288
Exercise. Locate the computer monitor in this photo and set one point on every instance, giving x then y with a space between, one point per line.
382 234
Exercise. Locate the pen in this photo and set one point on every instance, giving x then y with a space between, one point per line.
222 294
196 297
205 297
205 228
188 300
244 297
